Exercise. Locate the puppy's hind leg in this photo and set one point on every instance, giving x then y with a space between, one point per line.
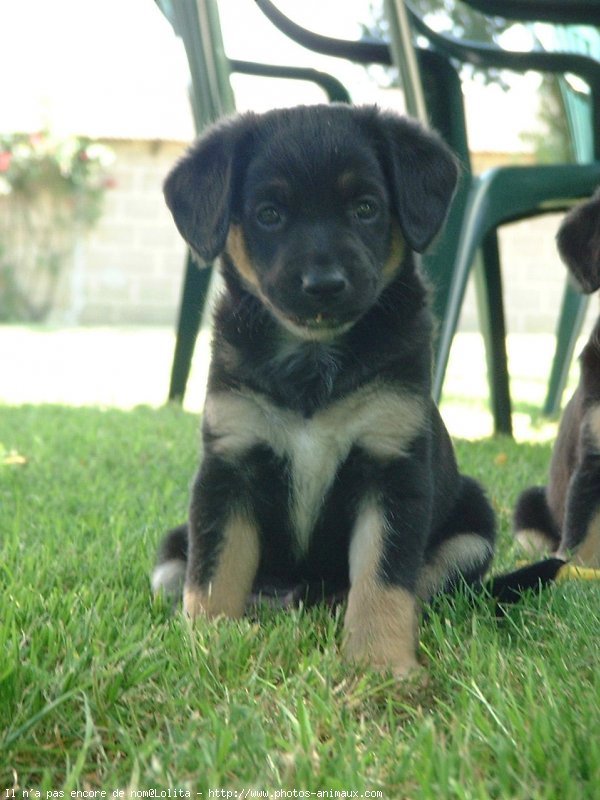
463 550
533 523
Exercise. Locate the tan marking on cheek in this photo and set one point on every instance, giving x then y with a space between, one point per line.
396 256
230 586
236 248
380 626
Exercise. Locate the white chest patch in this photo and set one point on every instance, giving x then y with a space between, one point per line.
381 421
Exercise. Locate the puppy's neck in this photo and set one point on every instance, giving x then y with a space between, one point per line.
312 366
253 349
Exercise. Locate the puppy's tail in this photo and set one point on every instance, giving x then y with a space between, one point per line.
537 533
169 573
509 588
533 523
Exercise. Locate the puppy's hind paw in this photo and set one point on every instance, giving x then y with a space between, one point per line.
168 579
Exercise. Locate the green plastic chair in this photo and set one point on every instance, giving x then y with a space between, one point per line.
210 97
583 39
585 12
483 203
574 304
197 23
503 195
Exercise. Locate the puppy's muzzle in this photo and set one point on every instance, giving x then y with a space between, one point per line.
324 284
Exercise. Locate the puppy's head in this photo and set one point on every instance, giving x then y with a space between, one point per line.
578 241
313 206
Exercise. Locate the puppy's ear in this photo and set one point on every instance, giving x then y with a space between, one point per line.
199 190
423 173
578 241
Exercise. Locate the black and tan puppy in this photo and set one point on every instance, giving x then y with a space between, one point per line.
564 516
325 460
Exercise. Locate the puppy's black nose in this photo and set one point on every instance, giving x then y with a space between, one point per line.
320 283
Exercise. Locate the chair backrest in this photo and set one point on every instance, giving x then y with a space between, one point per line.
577 60
197 23
585 12
576 98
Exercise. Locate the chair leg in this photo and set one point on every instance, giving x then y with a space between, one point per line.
488 285
450 267
570 322
450 292
193 299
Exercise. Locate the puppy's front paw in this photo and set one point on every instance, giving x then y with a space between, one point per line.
380 630
362 651
194 603
213 604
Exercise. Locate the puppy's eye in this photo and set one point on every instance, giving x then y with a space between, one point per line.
269 216
365 209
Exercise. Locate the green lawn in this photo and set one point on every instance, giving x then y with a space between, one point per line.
102 688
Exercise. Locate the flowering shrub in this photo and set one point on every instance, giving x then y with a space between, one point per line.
73 169
51 189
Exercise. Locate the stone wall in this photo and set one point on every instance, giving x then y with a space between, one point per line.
129 268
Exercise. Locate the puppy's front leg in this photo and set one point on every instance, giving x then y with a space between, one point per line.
224 548
380 626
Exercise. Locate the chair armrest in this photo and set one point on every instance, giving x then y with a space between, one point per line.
334 89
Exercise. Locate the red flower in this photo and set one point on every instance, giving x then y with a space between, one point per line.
5 159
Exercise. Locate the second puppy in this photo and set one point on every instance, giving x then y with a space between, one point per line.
325 460
564 516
